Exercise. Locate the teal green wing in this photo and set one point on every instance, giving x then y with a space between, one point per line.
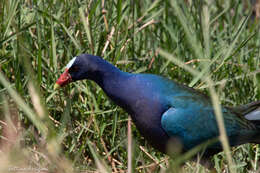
193 122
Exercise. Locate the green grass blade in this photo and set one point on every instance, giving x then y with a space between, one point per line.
86 25
21 103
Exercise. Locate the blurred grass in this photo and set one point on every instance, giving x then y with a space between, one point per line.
80 129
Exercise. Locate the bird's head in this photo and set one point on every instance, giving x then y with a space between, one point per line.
80 67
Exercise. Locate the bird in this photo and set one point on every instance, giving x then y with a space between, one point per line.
163 109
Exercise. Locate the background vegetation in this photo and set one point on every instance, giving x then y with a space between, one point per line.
78 128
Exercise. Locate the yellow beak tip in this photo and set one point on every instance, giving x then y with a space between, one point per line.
56 86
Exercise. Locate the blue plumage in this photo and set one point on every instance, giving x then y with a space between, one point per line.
162 109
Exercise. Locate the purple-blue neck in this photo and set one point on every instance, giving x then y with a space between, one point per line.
102 71
111 79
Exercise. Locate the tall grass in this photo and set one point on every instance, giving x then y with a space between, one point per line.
78 128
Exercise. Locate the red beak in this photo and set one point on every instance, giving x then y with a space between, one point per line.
63 80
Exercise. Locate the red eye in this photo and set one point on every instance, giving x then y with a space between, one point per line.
74 69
